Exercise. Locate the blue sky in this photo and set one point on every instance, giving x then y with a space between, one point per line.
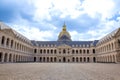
43 19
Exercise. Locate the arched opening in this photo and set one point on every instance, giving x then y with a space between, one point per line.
43 59
55 51
88 60
73 59
51 59
84 59
40 59
10 58
5 57
80 59
94 59
76 59
64 59
7 43
44 51
64 51
93 51
80 51
11 43
34 59
87 51
47 59
68 60
0 57
55 60
73 51
35 50
51 51
83 51
3 40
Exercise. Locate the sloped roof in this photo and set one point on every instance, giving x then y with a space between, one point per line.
108 36
18 35
70 43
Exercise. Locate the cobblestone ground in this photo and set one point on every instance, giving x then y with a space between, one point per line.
59 71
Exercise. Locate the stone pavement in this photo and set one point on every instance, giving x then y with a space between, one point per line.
59 71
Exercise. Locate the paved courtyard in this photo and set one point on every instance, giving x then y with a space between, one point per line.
59 71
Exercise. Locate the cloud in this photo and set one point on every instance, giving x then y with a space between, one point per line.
85 19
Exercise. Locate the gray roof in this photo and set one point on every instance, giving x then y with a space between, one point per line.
108 36
70 43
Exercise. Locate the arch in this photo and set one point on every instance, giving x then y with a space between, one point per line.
11 43
34 59
44 51
80 59
51 59
80 51
47 59
48 51
87 51
43 59
64 59
10 57
84 51
93 51
64 51
73 59
35 50
51 51
40 59
88 59
76 59
94 59
76 51
55 51
1 56
84 59
73 51
7 42
55 59
3 40
40 51
5 57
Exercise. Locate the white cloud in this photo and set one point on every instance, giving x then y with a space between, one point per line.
103 7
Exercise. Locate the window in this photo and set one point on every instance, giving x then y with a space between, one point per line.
35 50
94 51
3 40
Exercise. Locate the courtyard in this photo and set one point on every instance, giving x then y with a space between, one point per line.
59 71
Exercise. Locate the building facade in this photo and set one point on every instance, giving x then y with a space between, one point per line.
15 47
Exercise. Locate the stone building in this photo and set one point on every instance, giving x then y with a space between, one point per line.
15 47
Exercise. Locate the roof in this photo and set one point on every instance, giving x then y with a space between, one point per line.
18 35
108 36
70 43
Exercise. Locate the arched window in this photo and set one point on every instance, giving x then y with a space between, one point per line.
35 50
76 51
80 51
7 42
3 40
87 51
64 51
93 51
83 51
73 51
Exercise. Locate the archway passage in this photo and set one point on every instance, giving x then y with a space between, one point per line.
0 57
94 59
34 59
64 59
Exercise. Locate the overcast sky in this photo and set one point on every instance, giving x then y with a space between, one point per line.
43 19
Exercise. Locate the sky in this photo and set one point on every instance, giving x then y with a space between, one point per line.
42 20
